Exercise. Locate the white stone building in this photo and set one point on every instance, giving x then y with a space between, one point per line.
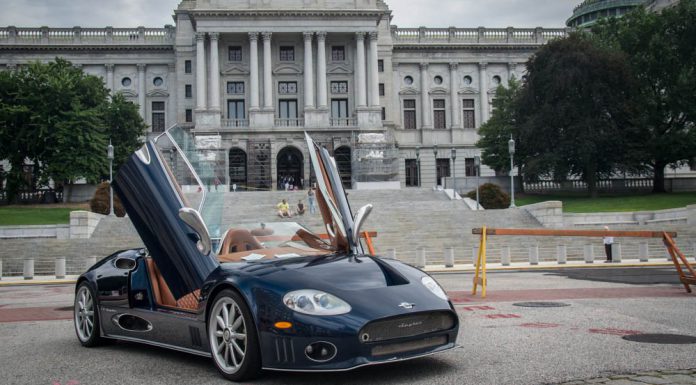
248 77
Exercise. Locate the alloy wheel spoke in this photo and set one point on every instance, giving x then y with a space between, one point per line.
89 322
225 315
218 333
89 313
240 336
221 346
81 304
237 348
234 360
221 323
237 323
227 353
234 314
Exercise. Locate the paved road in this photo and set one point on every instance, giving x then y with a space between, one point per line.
501 343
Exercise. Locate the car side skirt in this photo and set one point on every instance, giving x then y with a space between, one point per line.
159 344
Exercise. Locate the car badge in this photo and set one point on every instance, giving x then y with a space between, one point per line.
407 305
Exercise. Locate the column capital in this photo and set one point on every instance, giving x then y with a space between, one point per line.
214 35
253 36
424 66
308 35
109 67
453 65
483 65
360 35
266 36
141 66
321 35
200 36
373 35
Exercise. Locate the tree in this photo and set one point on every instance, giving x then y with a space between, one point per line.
124 127
574 110
662 58
496 132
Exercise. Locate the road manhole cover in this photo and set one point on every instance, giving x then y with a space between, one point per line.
66 308
667 339
541 304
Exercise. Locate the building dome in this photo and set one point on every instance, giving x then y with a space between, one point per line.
589 11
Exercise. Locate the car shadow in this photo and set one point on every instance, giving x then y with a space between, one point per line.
630 276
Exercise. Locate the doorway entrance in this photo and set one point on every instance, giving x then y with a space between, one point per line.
344 164
238 169
290 168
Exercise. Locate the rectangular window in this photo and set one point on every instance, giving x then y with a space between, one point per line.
287 88
470 166
287 53
187 66
158 121
381 89
234 53
411 173
189 115
188 91
469 116
439 114
380 65
409 114
339 87
338 53
287 109
339 108
384 113
235 88
236 110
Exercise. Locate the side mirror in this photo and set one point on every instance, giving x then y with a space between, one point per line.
194 220
358 221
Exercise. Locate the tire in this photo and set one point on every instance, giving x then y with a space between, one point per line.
234 344
86 317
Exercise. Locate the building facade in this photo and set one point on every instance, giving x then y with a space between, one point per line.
249 77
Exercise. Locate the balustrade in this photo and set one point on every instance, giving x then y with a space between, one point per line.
476 35
77 35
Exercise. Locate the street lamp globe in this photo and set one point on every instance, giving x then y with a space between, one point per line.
110 151
511 146
110 156
511 150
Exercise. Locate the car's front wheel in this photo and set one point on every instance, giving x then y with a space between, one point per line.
86 316
233 340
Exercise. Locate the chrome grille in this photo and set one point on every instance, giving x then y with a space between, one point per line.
407 326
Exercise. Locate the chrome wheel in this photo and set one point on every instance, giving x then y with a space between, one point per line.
228 335
84 314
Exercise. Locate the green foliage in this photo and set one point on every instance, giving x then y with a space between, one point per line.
491 197
660 52
574 111
496 132
613 203
100 201
60 119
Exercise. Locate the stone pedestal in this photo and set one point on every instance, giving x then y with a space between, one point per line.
505 256
562 254
589 254
449 257
28 271
420 257
261 119
60 268
534 255
208 119
616 252
643 252
316 118
369 117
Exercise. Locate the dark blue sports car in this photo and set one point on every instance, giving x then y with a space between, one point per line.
275 297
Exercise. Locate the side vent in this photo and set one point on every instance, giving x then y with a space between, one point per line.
285 350
195 336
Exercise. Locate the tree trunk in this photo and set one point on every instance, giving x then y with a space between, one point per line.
659 177
591 180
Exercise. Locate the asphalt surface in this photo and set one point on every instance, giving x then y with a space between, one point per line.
501 343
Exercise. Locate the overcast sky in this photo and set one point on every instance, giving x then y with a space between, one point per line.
407 13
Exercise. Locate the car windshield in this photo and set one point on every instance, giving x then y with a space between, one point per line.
196 166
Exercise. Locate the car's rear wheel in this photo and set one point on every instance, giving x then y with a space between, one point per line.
233 340
86 316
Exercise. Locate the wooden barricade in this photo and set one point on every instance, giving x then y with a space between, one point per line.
687 276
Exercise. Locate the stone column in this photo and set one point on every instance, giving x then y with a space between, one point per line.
308 70
454 95
254 64
201 96
425 98
173 96
141 89
374 73
110 77
360 69
267 72
483 91
214 72
512 68
322 101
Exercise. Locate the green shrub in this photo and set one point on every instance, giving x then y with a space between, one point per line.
100 201
491 196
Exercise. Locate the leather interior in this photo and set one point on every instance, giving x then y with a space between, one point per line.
163 296
238 240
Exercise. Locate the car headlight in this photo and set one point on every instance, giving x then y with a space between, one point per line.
315 302
433 287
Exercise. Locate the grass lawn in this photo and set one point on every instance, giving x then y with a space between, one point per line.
37 214
608 203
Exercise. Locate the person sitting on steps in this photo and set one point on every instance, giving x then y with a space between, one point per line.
284 209
300 208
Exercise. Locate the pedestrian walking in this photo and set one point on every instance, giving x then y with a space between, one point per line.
310 200
608 242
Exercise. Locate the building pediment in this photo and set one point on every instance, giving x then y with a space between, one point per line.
468 91
409 91
127 93
158 93
438 91
340 69
235 69
287 69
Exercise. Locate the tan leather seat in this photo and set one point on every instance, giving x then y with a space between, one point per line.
164 296
238 240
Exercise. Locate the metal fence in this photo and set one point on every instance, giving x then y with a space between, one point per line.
33 196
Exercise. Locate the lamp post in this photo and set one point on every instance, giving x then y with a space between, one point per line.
418 181
454 170
110 156
511 150
437 182
477 165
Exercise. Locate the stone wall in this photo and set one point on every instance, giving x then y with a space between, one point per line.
83 223
549 214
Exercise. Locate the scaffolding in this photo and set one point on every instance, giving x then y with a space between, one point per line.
375 158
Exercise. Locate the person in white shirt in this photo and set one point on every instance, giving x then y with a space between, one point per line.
608 241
